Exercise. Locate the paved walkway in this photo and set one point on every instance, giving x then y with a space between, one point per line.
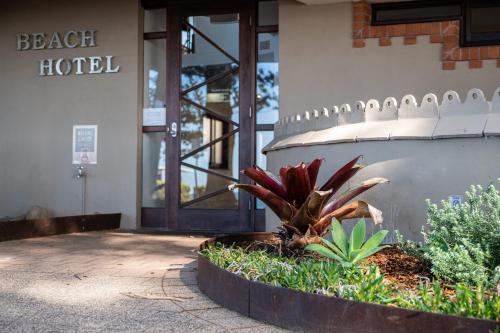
109 282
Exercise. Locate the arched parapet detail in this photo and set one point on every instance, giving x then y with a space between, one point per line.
380 119
475 103
458 119
429 108
414 121
450 104
452 115
493 124
328 118
408 107
344 114
495 101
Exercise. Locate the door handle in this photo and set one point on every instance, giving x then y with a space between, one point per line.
173 129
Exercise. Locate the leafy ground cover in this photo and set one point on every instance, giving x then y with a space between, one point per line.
366 282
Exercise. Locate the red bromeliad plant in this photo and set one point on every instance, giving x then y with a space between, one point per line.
305 210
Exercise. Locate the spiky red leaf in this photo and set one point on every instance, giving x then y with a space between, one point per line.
341 176
297 184
356 209
266 180
351 194
312 170
278 205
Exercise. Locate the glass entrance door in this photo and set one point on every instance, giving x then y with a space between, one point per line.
209 124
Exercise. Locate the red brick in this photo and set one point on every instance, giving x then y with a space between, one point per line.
410 40
475 63
436 28
492 52
426 28
361 17
360 33
436 39
498 63
464 53
456 54
358 25
361 5
447 53
372 31
396 30
450 39
474 53
483 52
450 28
358 43
384 41
381 31
413 29
448 65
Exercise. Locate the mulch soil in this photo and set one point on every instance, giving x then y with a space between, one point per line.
400 268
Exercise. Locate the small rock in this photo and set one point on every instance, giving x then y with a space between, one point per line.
38 213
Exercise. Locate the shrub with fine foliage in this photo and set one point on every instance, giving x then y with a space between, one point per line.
463 242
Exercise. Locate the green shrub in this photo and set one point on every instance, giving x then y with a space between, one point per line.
463 242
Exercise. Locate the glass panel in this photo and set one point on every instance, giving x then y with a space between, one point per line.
154 73
485 19
268 13
153 169
221 96
222 30
210 53
199 128
229 199
221 157
196 184
262 139
155 20
268 78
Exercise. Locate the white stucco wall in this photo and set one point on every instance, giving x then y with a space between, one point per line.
319 67
417 170
37 113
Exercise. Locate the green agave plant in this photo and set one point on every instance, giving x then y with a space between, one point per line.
349 252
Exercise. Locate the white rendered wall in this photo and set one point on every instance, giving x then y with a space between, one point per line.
37 113
319 67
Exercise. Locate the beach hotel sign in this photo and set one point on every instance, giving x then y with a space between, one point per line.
68 40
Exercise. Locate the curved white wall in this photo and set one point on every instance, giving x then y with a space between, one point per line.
417 170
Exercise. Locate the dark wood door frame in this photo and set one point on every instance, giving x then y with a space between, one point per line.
210 220
167 217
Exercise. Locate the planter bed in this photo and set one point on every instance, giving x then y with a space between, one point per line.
12 230
303 311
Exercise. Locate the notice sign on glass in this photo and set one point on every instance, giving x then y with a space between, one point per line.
85 144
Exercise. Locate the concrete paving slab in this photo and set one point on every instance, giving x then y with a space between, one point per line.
109 282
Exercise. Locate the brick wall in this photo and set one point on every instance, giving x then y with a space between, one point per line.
446 33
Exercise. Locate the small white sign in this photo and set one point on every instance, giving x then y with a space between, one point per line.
456 200
85 144
154 117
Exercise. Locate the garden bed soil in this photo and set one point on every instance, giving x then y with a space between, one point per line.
400 268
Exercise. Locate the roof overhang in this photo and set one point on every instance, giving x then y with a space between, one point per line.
326 2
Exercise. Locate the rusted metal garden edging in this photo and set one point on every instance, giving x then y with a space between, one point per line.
12 230
303 311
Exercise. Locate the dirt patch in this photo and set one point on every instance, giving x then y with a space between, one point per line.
400 268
